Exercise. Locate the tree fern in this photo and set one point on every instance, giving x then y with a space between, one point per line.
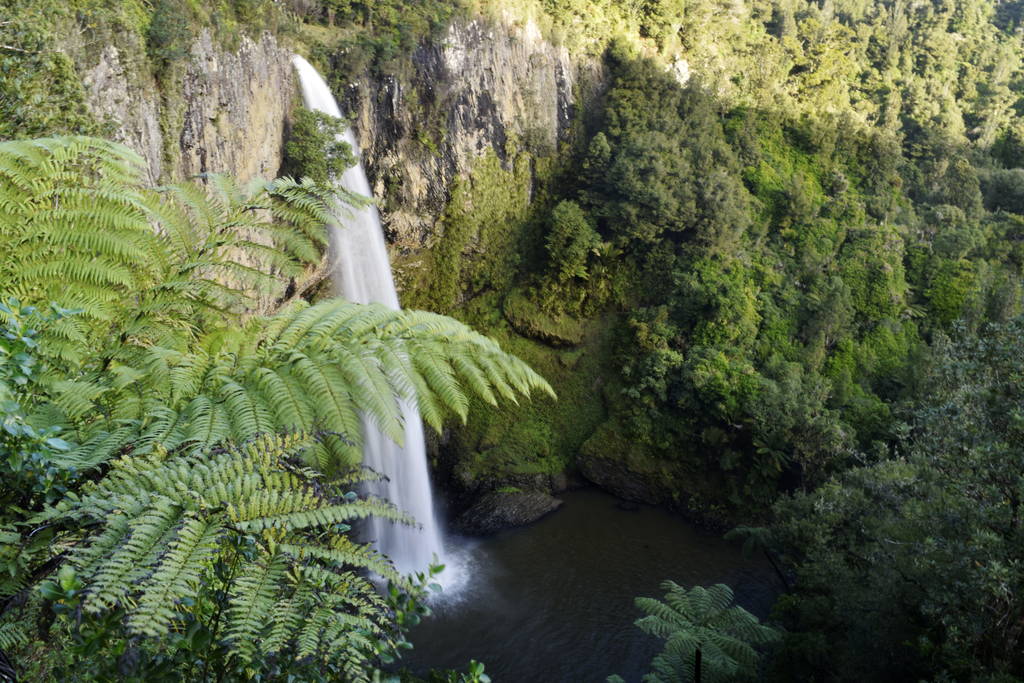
307 368
706 638
248 523
143 485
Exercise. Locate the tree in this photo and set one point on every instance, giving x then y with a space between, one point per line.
177 471
169 34
313 149
571 241
706 639
911 568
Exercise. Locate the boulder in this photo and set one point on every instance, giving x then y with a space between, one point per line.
499 510
618 479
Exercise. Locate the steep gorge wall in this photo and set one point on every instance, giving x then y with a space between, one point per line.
479 88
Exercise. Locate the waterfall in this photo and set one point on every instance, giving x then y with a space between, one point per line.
363 275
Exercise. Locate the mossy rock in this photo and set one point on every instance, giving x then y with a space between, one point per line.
531 446
530 321
617 466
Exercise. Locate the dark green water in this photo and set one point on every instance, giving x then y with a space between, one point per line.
554 601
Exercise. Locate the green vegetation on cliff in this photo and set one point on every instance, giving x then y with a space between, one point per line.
780 257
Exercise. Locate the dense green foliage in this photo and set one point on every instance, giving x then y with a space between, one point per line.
782 270
232 561
760 239
774 213
571 241
913 566
176 565
313 149
789 254
152 528
40 90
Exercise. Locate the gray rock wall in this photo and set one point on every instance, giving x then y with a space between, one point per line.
471 91
479 86
226 114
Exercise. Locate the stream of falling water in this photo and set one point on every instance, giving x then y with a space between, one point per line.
363 275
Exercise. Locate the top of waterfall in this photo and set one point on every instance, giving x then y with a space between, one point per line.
316 94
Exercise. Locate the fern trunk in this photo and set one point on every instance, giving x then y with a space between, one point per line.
696 666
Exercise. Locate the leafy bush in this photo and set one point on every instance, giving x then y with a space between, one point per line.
313 148
40 89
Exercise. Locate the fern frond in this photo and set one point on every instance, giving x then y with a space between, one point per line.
253 599
170 519
177 576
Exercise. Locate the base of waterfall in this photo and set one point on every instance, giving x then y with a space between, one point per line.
460 566
455 557
553 601
492 513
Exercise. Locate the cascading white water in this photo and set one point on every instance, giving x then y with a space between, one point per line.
363 275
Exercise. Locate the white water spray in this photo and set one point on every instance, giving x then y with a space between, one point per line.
363 274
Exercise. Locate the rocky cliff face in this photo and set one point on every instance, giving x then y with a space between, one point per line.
222 112
484 91
480 87
226 111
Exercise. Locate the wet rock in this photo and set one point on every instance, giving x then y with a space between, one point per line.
559 482
503 510
237 105
616 477
113 94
